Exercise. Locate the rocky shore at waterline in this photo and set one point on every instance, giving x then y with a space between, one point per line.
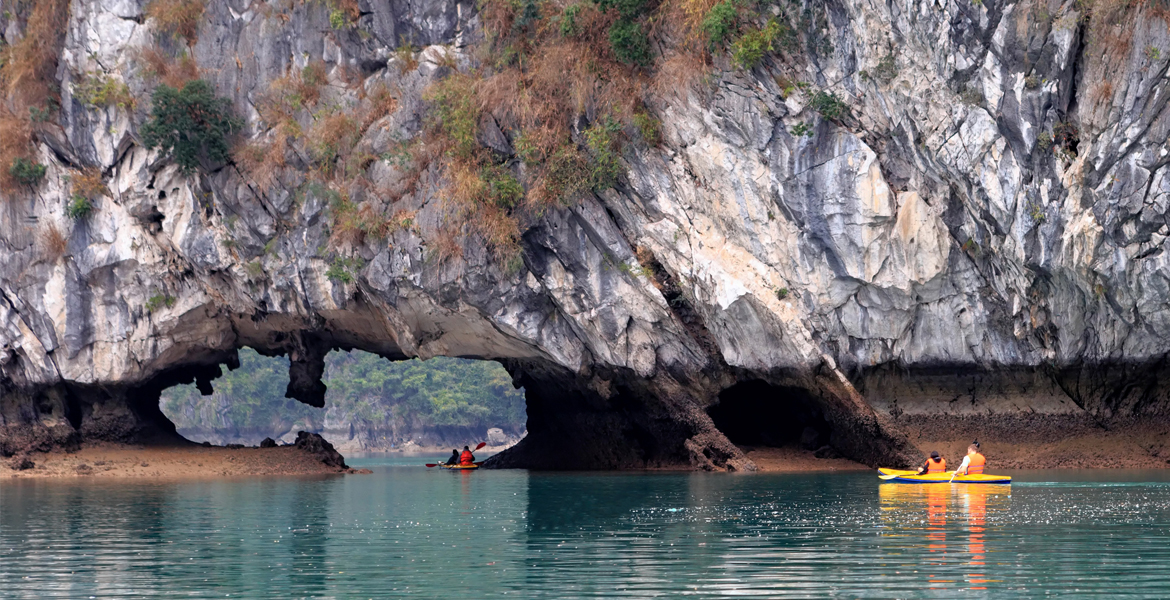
309 455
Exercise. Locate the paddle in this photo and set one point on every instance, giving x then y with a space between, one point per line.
481 445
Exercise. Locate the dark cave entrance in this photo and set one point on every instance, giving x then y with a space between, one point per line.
756 413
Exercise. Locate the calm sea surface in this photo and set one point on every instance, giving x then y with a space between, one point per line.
411 531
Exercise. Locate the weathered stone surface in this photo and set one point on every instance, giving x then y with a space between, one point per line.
933 252
320 448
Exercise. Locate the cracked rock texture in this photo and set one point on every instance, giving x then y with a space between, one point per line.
945 250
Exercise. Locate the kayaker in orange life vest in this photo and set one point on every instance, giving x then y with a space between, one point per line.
934 464
974 461
467 457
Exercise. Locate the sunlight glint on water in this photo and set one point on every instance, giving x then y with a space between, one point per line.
409 531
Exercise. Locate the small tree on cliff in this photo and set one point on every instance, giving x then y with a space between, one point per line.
191 125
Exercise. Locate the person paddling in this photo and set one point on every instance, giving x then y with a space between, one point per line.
974 461
454 460
934 464
467 457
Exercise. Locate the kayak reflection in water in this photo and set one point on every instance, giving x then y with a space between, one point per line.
454 460
956 518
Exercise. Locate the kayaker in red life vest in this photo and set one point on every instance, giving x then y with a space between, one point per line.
934 464
467 457
974 461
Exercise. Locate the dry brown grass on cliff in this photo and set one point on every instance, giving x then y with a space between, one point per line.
29 65
15 142
165 69
445 244
53 244
177 18
27 73
330 141
263 162
88 184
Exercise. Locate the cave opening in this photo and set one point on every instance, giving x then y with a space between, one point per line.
756 413
371 404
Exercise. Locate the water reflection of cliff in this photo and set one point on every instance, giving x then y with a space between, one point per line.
950 522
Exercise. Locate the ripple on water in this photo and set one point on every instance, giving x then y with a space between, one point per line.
407 531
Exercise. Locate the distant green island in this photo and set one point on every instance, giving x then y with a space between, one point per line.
372 403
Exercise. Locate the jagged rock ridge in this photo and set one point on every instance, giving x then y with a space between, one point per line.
938 245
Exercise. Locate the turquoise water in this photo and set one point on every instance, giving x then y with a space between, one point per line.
411 531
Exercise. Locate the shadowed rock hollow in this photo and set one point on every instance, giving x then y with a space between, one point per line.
936 254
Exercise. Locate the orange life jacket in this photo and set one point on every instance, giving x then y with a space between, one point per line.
976 465
936 467
466 458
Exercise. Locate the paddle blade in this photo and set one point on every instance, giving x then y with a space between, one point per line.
887 477
429 465
481 445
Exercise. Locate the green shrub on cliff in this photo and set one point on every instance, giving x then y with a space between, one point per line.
719 23
191 124
629 42
26 171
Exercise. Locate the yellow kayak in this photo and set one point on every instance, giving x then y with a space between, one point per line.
459 467
900 476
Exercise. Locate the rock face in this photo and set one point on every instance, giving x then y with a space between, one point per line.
321 449
951 248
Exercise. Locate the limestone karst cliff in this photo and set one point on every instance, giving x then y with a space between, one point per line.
932 208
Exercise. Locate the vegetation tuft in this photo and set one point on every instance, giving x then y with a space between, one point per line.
28 77
99 90
177 18
830 106
26 172
87 186
191 125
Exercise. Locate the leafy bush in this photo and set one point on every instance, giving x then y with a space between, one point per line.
26 171
343 269
43 114
79 207
802 129
1066 135
829 105
338 19
190 124
719 23
502 187
158 301
569 25
749 49
629 42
